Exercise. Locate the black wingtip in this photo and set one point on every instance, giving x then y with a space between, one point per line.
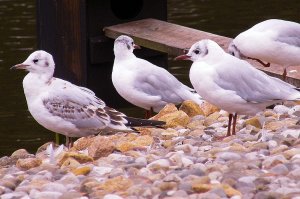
135 122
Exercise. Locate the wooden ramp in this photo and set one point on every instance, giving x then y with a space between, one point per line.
173 39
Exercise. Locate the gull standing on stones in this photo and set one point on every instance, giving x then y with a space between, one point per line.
65 108
274 41
233 84
143 83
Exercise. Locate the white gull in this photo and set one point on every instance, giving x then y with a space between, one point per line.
274 41
232 84
143 83
65 108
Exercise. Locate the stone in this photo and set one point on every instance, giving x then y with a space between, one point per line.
169 134
276 125
197 132
127 144
167 143
159 164
14 195
112 196
267 194
70 163
174 119
281 109
169 108
88 185
83 143
45 194
227 156
295 111
295 133
247 179
230 192
166 186
211 119
6 162
191 108
254 121
79 157
28 163
279 169
201 188
288 154
271 161
53 186
72 195
196 124
21 154
279 149
270 113
209 108
84 170
100 147
295 174
116 184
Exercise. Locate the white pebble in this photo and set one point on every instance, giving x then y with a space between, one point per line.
112 196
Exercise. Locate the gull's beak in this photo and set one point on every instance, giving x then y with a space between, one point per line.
183 57
136 46
19 66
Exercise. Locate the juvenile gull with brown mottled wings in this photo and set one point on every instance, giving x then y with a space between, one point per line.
65 108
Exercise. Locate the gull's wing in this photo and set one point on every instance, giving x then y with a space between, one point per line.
251 84
289 33
81 107
284 31
157 81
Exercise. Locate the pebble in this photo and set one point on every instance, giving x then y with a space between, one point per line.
187 159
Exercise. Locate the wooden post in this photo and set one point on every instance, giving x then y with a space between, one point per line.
62 32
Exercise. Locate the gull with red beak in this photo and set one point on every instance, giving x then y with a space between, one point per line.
274 41
65 108
232 84
145 84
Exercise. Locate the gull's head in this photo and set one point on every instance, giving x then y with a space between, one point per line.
198 51
39 62
234 51
124 44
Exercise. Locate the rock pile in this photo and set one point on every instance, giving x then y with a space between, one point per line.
189 158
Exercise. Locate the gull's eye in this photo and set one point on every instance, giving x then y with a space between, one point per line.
132 43
35 61
196 52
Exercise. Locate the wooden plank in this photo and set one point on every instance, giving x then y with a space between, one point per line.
173 39
162 36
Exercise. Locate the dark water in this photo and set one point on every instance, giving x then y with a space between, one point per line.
18 40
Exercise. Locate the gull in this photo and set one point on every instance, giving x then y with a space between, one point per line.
233 84
65 108
143 83
274 41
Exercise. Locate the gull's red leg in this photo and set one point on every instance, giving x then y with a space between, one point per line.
229 124
234 123
149 113
284 74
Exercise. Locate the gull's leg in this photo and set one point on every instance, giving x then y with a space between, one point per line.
69 142
149 113
57 138
234 123
229 124
284 74
261 62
